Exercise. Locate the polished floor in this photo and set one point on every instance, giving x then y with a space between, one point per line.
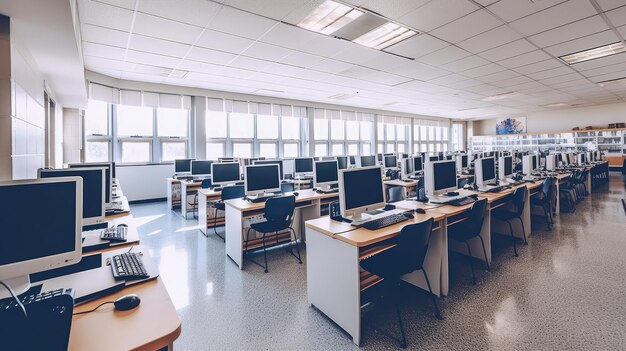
566 291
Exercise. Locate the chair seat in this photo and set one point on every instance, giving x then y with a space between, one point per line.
460 232
504 214
386 264
269 227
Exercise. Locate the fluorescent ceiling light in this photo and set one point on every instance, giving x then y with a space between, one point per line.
559 104
384 36
329 17
501 96
595 53
613 82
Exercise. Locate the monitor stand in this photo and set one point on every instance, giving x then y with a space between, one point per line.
19 285
358 219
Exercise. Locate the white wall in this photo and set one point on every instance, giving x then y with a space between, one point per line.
144 182
71 135
562 120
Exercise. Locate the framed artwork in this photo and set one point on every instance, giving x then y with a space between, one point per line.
510 125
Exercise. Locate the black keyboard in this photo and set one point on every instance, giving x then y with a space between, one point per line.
461 201
7 304
128 266
383 222
497 189
331 191
261 198
114 234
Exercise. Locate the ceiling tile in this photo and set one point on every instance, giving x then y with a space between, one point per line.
443 56
151 59
465 64
622 31
498 76
417 46
508 50
248 25
104 36
437 13
483 70
195 66
617 16
510 10
570 31
551 73
358 54
268 52
467 26
210 56
486 2
539 66
299 13
620 67
331 66
289 36
249 63
99 14
561 79
165 29
106 51
276 9
610 4
513 81
194 12
609 76
425 72
301 59
446 80
224 42
524 59
158 46
564 13
584 43
326 46
490 39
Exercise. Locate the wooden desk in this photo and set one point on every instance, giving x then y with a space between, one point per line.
92 241
337 286
125 211
178 191
241 213
206 213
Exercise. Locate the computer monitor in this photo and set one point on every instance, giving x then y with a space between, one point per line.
485 171
352 160
581 158
272 162
325 174
42 227
535 162
182 165
418 165
551 162
360 190
225 173
440 177
303 166
225 159
565 158
93 210
263 178
109 168
461 162
342 162
201 168
391 162
402 155
529 164
406 168
433 158
368 161
505 167
379 157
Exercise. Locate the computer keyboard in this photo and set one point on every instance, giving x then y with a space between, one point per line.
331 191
9 303
263 198
128 266
115 233
383 222
462 201
497 189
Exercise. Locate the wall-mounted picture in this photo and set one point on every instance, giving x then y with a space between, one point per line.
515 125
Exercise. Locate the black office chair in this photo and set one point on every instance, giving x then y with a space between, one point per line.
506 215
279 213
624 167
545 199
470 228
206 183
395 194
406 257
286 187
228 193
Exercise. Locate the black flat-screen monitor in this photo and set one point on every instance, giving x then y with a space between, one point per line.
417 164
182 165
367 161
342 162
354 183
444 175
109 175
225 173
303 165
272 162
326 172
262 178
201 167
391 161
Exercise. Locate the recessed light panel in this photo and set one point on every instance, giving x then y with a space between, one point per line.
595 53
329 17
384 36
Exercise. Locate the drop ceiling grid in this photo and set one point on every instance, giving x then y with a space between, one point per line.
455 73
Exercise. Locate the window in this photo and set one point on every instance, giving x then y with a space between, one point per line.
171 150
290 150
353 149
337 129
214 151
457 137
172 122
241 127
366 131
97 151
401 147
267 127
267 150
290 128
97 118
216 124
135 121
321 150
136 151
391 147
380 148
242 150
423 133
337 149
367 149
391 132
380 131
352 130
400 132
320 129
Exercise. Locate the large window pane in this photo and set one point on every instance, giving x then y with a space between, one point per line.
136 151
352 130
266 127
241 126
438 133
290 128
401 131
337 150
242 150
431 147
267 150
290 150
320 129
321 150
366 130
353 149
401 147
216 124
391 147
391 132
172 122
134 121
171 150
367 149
445 132
380 148
214 151
337 129
97 118
380 131
423 134
97 151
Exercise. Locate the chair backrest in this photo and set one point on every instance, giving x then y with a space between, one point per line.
624 167
233 192
286 187
413 243
545 188
206 183
395 194
420 183
280 209
519 197
474 223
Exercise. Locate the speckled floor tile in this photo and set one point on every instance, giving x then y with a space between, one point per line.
566 291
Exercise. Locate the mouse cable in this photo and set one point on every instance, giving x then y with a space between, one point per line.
15 297
100 305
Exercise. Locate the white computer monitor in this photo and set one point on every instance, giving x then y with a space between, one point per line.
303 166
572 158
461 163
529 164
565 158
201 168
183 166
325 174
581 158
485 171
505 167
273 162
110 170
551 162
367 161
406 168
41 228
225 173
93 190
342 162
440 177
262 179
360 190
391 162
418 164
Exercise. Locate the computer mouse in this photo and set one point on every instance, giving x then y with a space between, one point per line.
408 215
389 207
295 193
420 210
127 302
